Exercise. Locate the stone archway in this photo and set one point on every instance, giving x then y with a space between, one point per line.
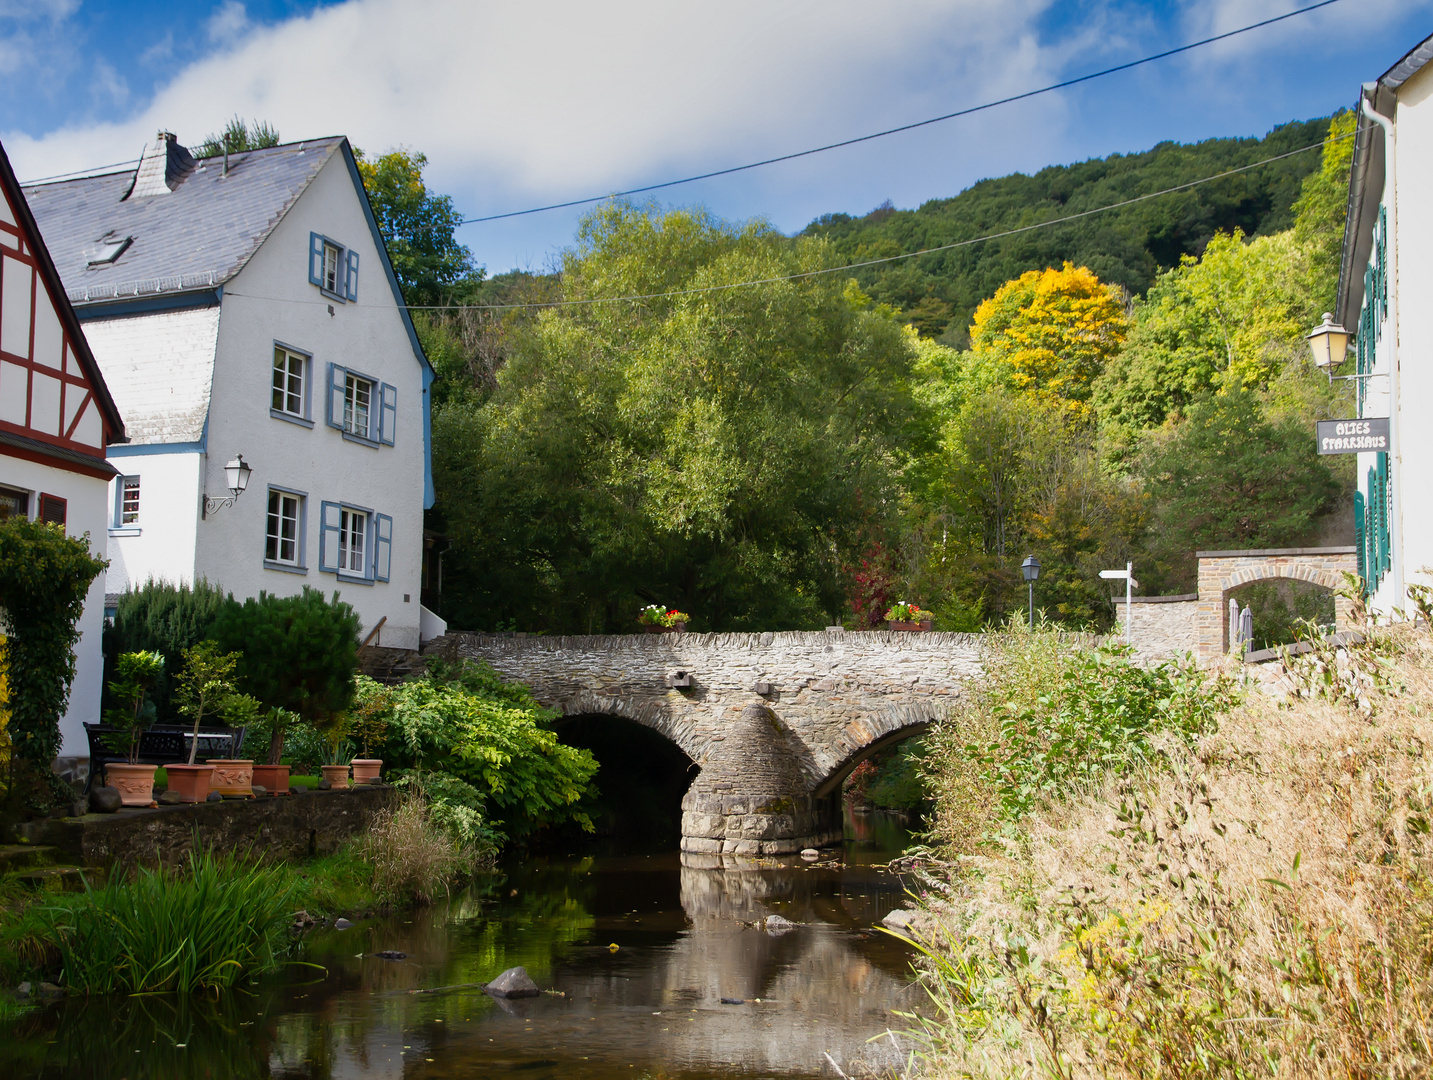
1220 572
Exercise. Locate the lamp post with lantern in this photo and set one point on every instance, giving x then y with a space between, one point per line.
1031 569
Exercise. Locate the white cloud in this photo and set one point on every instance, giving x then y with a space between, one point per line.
33 10
228 23
567 97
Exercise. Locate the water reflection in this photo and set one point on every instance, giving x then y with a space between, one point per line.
686 938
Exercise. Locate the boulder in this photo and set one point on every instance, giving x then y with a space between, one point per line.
775 925
297 789
105 800
23 990
898 919
513 983
259 791
325 784
341 924
391 954
50 990
810 854
78 808
214 796
169 798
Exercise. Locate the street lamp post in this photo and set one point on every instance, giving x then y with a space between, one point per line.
1031 569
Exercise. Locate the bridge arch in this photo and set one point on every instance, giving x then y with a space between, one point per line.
650 714
1221 572
865 737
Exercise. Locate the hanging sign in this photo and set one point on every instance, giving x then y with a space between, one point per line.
1369 435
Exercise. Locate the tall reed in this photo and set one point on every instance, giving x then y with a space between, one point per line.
203 926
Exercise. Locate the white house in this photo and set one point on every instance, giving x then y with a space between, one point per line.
56 419
1384 284
246 306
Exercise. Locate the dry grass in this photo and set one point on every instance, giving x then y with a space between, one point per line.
413 859
1260 905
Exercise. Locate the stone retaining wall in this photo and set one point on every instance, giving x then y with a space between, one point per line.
1162 628
291 826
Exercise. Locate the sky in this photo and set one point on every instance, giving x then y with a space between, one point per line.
520 105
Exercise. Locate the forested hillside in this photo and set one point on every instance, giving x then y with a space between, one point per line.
1127 247
770 441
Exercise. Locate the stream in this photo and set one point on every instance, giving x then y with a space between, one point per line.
650 1007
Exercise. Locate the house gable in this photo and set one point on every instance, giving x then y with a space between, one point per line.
54 405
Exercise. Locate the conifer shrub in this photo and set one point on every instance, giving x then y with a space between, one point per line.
163 618
298 653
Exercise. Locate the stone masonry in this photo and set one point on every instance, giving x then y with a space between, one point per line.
1222 571
827 700
1163 626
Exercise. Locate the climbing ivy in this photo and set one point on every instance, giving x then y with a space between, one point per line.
44 577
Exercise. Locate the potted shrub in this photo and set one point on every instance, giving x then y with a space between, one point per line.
368 722
202 690
656 619
272 775
337 750
234 776
135 673
910 617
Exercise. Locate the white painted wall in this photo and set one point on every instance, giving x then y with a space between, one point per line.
162 545
85 513
1414 120
272 300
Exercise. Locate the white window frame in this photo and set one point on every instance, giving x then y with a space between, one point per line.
118 525
353 385
353 546
333 267
297 565
304 416
340 393
369 564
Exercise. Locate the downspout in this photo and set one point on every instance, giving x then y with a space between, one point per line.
1395 471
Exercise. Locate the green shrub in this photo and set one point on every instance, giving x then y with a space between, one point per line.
299 653
205 926
44 578
1051 719
163 618
467 722
411 856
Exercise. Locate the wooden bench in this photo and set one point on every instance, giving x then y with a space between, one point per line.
163 744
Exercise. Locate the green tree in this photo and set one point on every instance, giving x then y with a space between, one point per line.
296 653
1231 477
711 450
417 226
164 618
238 136
1322 209
204 687
44 579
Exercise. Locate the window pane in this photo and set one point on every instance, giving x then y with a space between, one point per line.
129 501
357 398
288 392
352 528
281 541
330 268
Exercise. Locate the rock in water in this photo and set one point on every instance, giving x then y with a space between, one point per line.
105 800
391 954
733 1001
341 924
810 854
898 919
169 798
775 925
513 983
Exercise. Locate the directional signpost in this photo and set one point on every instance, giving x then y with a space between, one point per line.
1127 574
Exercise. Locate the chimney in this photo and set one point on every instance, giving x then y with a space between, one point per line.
162 168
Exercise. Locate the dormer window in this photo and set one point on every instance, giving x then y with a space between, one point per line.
108 248
333 268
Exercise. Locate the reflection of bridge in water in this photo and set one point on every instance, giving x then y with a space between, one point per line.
775 721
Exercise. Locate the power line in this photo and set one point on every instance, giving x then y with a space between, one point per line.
905 127
888 259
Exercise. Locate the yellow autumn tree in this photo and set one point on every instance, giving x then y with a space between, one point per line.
1050 332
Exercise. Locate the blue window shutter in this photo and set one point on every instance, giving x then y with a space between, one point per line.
351 284
328 537
382 546
387 413
337 378
315 259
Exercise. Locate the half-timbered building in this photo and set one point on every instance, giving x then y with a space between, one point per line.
56 420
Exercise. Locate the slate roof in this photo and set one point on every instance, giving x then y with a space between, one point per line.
195 237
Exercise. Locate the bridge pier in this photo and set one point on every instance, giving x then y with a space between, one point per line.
752 798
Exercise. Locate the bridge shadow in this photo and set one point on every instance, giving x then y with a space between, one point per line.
641 779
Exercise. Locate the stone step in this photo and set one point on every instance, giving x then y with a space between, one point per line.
59 878
23 856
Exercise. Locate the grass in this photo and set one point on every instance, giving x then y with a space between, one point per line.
1254 901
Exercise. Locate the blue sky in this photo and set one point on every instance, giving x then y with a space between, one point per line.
519 105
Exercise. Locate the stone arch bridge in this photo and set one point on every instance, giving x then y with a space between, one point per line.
775 721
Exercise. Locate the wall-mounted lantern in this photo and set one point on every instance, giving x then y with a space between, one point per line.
236 477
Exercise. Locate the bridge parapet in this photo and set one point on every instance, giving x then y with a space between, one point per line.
838 696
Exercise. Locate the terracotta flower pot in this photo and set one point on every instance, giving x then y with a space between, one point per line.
190 782
233 776
274 778
366 769
337 775
135 783
910 627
